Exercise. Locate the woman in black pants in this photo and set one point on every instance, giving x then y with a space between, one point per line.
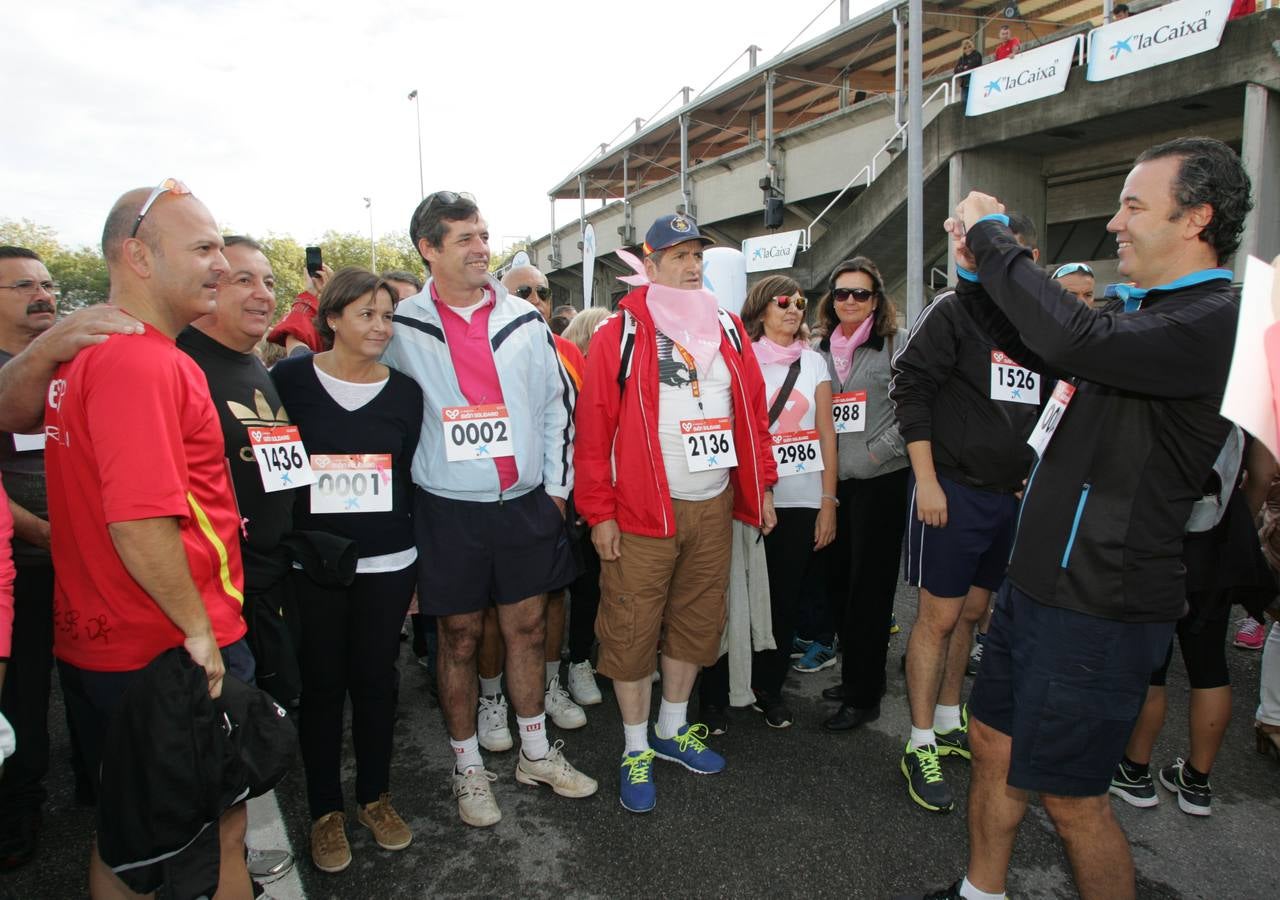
359 422
861 332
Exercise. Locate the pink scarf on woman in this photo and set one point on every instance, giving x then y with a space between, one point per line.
842 347
768 352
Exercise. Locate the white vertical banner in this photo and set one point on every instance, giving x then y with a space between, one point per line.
1031 75
588 264
724 273
1157 36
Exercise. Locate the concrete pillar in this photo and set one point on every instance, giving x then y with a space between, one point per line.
1260 151
1016 178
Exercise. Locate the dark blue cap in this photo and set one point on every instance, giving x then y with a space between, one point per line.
668 231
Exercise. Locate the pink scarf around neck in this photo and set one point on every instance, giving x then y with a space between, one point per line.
769 352
690 318
842 347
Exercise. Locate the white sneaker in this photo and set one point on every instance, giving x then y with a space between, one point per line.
491 724
563 712
556 771
476 804
582 684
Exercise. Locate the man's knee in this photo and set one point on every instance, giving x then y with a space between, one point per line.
459 636
988 744
937 616
524 623
1076 814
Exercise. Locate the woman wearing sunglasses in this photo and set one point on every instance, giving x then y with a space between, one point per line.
861 332
798 393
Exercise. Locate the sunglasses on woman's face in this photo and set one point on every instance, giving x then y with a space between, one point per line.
784 301
525 292
843 295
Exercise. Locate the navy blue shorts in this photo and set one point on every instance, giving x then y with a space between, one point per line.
475 555
1067 688
972 549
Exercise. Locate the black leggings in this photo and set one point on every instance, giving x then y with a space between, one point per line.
584 602
1202 635
350 641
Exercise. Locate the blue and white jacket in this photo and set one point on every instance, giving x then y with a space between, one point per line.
535 388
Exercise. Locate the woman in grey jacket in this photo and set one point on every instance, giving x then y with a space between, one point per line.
860 327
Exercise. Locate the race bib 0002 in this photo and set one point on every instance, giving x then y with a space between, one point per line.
476 432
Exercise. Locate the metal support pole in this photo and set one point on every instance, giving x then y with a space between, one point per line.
688 93
639 124
554 245
626 197
897 68
915 167
844 11
582 209
684 164
844 92
417 109
373 252
1108 11
771 163
752 55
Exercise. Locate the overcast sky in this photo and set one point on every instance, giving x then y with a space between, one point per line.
283 114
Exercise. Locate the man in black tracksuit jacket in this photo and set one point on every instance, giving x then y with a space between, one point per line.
965 406
1096 573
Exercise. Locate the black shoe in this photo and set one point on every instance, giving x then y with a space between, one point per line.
19 837
848 717
716 718
835 692
949 893
924 779
1193 799
776 712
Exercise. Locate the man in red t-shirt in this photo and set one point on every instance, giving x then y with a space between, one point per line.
145 532
1008 45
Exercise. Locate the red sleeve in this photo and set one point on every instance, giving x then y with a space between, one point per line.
572 359
596 423
6 575
133 412
300 323
759 407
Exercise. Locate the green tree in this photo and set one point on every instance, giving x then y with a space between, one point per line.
81 272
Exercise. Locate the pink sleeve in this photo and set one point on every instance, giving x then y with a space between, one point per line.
6 574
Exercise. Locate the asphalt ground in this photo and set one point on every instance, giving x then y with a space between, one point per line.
797 812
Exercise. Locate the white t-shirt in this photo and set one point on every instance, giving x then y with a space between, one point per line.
676 403
350 395
800 414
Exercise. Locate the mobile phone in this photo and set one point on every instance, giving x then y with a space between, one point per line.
314 261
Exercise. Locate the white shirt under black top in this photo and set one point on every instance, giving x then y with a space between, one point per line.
800 414
389 422
677 403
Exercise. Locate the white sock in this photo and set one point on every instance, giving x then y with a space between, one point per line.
671 718
969 892
636 736
533 736
921 737
466 754
946 718
491 687
553 671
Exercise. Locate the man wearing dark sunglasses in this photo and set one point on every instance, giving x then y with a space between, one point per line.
965 409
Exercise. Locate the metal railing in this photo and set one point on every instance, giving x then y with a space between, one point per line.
871 170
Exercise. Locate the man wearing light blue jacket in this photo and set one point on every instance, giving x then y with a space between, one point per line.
493 469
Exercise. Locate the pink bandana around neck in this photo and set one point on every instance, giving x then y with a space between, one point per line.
768 352
690 318
842 347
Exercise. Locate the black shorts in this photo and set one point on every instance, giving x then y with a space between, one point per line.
1067 687
971 550
475 555
91 699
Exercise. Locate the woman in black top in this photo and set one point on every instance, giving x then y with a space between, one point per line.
970 58
359 422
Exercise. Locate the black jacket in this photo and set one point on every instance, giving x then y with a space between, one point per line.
941 391
1104 514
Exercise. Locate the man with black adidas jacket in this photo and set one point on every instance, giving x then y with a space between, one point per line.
965 407
1097 581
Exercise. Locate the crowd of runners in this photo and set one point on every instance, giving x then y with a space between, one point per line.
221 526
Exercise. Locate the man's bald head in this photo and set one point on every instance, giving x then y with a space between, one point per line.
538 290
120 222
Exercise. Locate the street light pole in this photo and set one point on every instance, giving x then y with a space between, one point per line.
373 253
413 95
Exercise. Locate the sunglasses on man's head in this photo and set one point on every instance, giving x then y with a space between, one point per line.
448 198
1071 269
525 292
784 301
862 295
168 186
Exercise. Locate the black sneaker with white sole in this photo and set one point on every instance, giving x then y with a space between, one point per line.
1134 787
1193 799
776 712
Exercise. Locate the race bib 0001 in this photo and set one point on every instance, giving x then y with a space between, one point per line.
351 482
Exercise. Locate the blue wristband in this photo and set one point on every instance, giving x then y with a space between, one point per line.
966 274
996 217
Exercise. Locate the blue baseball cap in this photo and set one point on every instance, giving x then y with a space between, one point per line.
668 231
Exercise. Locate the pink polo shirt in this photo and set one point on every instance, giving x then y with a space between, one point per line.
472 357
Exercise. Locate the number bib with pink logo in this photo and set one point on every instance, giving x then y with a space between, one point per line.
282 460
351 482
850 412
476 432
708 444
1012 382
797 453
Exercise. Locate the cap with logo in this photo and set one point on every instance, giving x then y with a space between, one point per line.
668 231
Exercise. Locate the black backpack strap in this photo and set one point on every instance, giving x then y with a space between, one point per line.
784 393
626 349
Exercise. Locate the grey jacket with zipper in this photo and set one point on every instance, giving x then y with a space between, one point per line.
879 449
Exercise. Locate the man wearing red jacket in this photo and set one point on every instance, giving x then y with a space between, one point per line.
672 445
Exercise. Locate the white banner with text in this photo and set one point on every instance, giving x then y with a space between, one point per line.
1156 37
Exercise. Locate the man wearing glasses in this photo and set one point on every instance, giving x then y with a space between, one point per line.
492 471
27 308
965 409
673 445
